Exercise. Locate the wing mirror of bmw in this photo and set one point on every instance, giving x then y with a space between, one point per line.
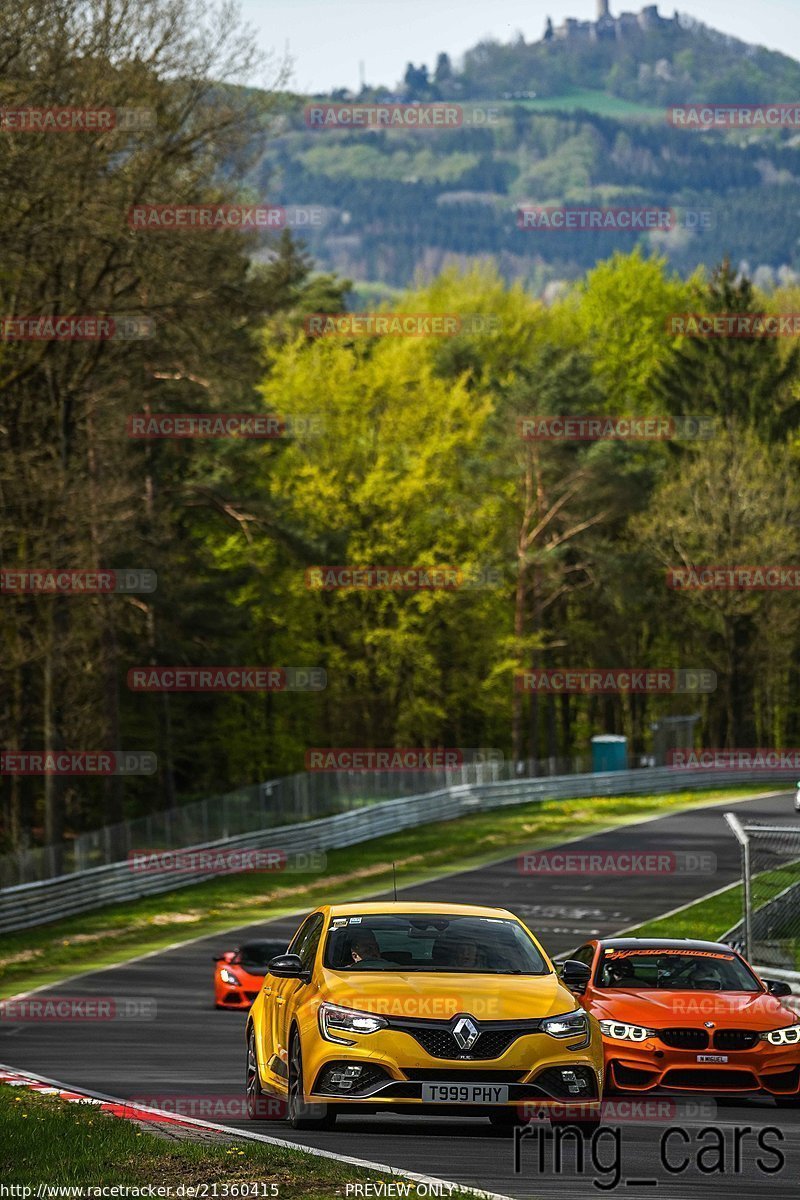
575 975
288 966
778 987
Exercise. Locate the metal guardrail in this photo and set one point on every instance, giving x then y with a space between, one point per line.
304 796
32 904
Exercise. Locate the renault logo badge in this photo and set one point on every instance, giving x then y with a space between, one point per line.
466 1033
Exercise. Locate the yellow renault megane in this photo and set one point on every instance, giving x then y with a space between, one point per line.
436 1007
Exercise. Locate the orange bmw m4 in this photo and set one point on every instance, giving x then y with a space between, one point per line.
690 1016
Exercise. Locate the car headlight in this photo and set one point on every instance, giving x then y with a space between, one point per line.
228 977
789 1035
620 1031
571 1024
334 1019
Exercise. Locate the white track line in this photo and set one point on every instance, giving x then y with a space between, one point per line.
232 1131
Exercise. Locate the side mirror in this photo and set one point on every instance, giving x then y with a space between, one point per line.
778 987
575 975
288 966
226 956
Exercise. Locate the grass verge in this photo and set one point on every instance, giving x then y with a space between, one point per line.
48 953
44 1140
714 915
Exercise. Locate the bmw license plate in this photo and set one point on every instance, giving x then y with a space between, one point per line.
712 1058
464 1093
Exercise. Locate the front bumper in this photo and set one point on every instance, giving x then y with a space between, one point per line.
647 1066
394 1069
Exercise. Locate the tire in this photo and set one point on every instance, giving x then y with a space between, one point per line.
299 1115
256 1098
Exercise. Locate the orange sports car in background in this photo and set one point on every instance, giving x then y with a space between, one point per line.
690 1016
239 974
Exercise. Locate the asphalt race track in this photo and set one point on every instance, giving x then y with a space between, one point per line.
190 1049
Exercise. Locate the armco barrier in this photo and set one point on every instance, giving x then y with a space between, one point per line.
37 903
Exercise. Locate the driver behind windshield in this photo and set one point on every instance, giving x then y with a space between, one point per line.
365 949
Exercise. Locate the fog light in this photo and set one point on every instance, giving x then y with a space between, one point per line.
344 1080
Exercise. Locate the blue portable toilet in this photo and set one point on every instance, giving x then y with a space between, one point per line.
609 752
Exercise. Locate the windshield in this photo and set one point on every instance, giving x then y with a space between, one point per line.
417 942
256 956
676 970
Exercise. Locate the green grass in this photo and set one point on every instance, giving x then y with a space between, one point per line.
46 1140
48 953
592 101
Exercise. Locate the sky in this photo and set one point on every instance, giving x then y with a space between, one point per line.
328 40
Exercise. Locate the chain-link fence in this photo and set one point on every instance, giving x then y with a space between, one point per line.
302 797
769 932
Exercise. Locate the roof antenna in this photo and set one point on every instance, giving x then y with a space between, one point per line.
394 881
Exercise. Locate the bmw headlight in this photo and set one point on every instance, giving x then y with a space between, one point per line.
333 1019
620 1031
228 977
789 1035
568 1025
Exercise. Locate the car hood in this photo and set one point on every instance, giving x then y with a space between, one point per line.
440 996
664 1009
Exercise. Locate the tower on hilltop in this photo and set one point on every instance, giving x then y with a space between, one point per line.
602 10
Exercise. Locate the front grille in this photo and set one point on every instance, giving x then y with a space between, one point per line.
710 1077
551 1082
684 1039
735 1039
232 998
463 1075
436 1037
252 996
440 1043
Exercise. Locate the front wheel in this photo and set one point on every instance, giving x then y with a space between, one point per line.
256 1100
300 1114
